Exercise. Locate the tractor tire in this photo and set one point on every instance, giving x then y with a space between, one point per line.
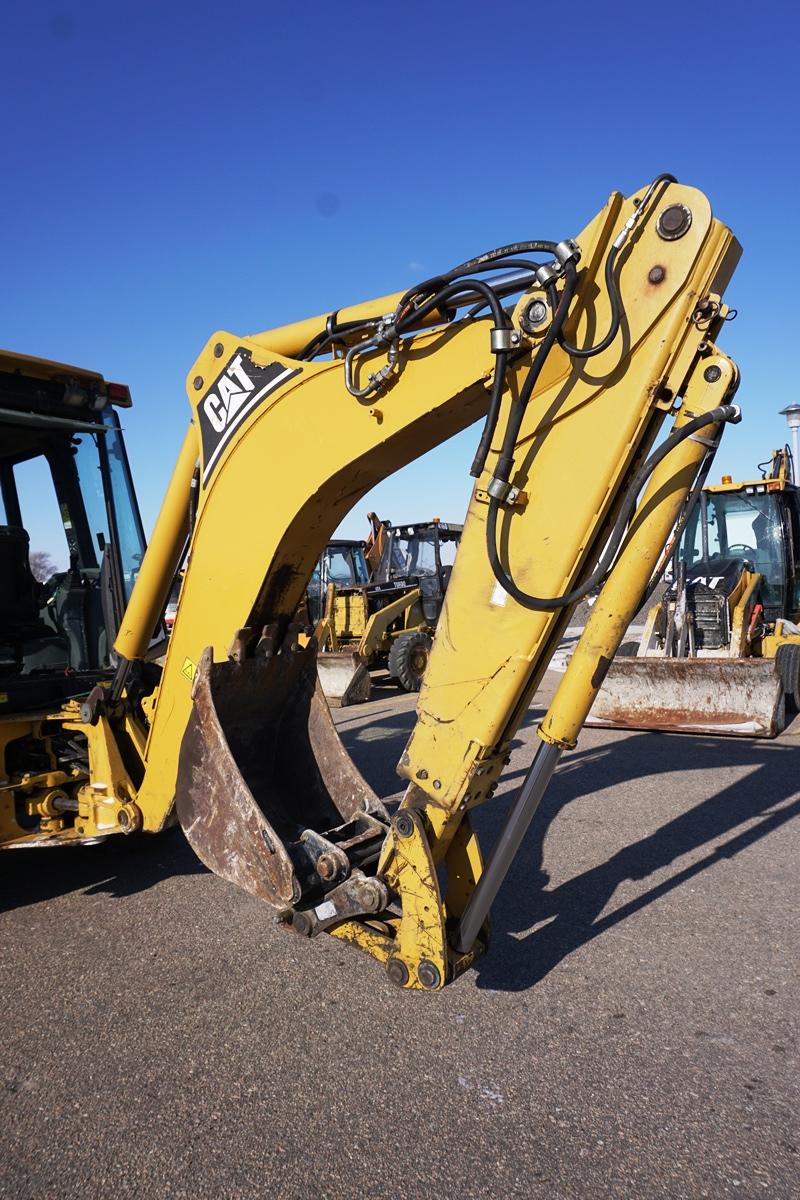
788 659
408 659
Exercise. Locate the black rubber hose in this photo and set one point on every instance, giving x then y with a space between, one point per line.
326 337
501 318
724 412
505 463
320 342
616 314
502 321
490 424
472 264
612 287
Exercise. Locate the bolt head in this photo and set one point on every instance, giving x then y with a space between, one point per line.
197 382
534 315
712 374
218 350
657 275
326 866
428 974
370 897
403 824
673 222
397 971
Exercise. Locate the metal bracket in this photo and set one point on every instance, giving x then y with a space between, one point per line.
504 340
548 273
516 498
357 896
568 251
419 956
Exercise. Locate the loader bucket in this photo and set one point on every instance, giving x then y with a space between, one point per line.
344 678
262 772
736 696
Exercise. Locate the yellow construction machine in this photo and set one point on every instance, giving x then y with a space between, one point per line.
574 353
336 606
720 651
388 622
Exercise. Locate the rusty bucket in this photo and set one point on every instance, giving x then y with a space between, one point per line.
266 794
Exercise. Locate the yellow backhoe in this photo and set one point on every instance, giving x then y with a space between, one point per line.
573 353
720 651
388 621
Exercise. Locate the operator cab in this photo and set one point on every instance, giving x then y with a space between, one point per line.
342 563
736 528
71 538
421 555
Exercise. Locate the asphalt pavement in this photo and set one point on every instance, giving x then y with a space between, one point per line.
631 1033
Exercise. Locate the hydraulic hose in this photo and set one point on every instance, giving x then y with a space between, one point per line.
490 424
612 286
478 263
724 412
501 319
505 463
489 261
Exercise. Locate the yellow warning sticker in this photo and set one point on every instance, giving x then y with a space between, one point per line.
189 669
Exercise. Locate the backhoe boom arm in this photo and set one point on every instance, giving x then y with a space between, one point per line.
287 442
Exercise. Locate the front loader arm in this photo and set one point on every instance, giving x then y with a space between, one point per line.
286 448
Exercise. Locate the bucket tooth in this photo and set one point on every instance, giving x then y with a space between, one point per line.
260 766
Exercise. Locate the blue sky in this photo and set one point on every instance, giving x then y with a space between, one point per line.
175 169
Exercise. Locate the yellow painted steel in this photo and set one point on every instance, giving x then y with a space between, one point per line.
621 596
741 602
162 558
290 468
380 621
294 468
584 430
289 340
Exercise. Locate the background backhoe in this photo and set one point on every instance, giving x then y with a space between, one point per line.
389 621
720 652
572 350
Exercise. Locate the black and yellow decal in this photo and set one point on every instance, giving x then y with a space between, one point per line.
238 389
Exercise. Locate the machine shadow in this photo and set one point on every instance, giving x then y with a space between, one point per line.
119 867
519 959
519 956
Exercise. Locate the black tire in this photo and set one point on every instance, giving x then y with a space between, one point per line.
408 659
788 659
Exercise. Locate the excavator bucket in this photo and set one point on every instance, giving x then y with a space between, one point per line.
742 697
266 793
344 678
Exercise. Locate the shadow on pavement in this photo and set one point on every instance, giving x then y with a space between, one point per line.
518 959
118 867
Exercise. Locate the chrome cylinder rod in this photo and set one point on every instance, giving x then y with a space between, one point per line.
508 843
